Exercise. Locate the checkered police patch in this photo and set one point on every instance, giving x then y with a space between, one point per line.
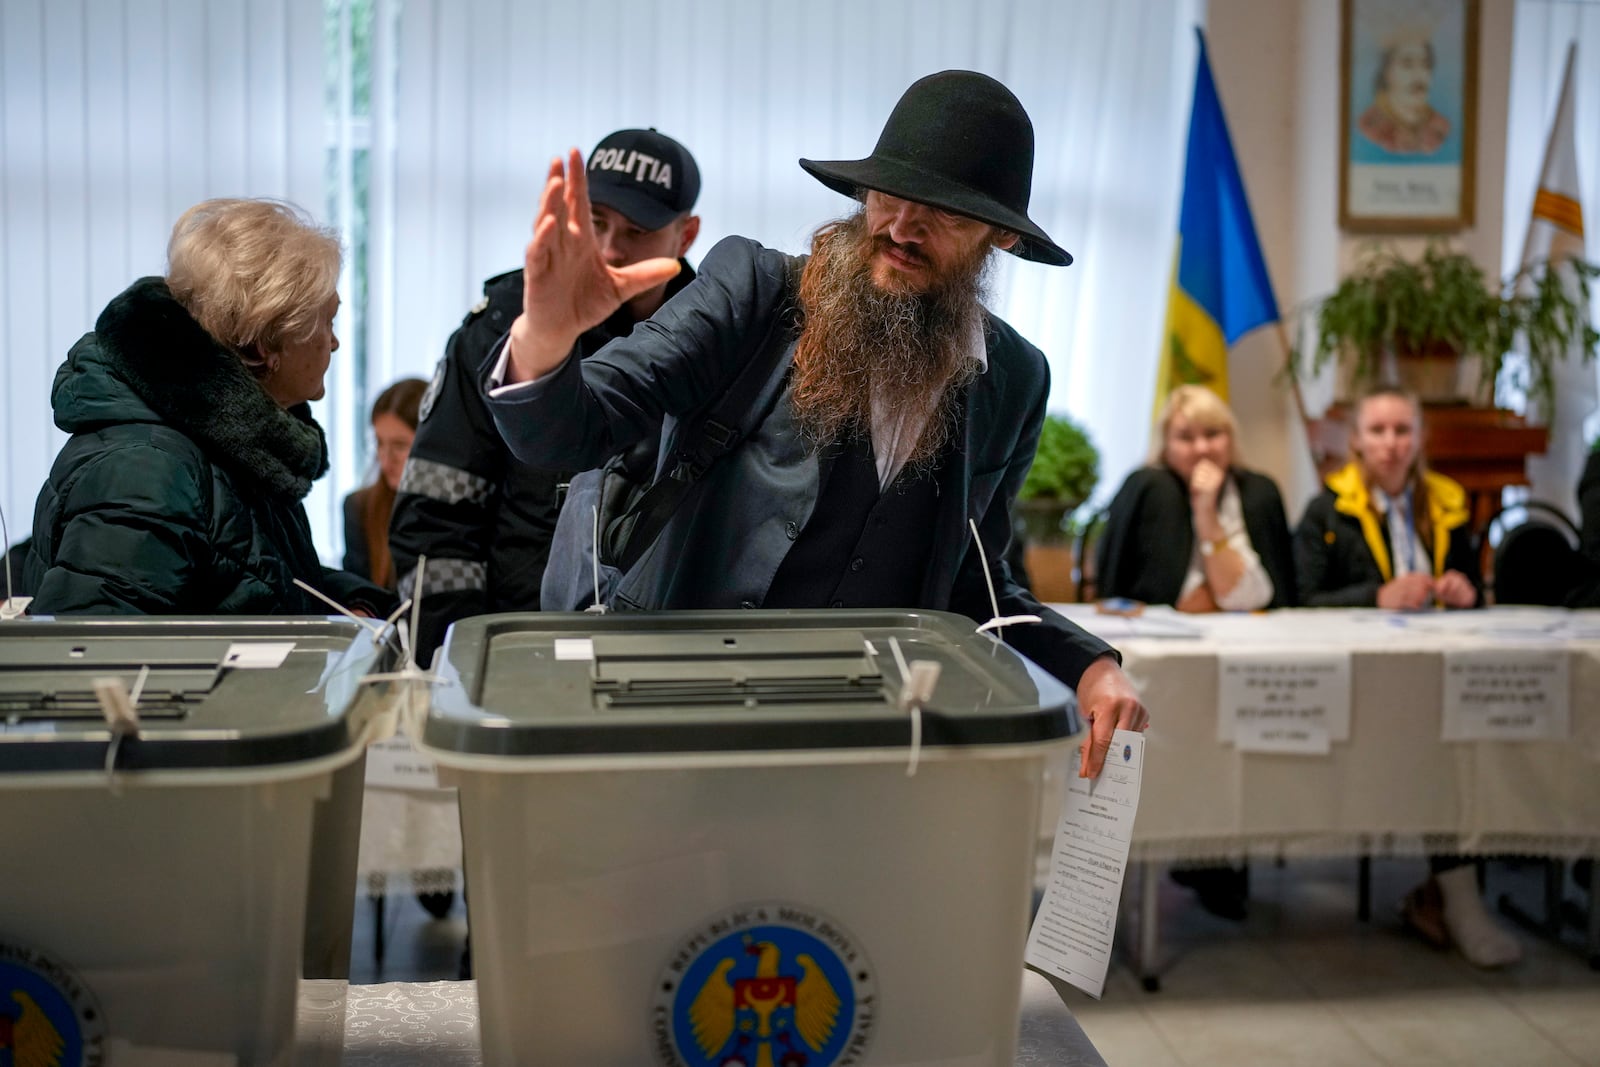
432 394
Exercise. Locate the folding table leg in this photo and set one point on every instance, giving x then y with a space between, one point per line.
1150 873
1592 941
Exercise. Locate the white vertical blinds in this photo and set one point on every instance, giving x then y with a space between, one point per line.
115 116
489 90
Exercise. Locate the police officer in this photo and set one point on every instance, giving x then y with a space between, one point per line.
483 519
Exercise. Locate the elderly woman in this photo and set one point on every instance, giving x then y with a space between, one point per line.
1194 530
192 442
1389 533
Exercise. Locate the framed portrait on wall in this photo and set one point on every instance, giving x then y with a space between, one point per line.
1408 114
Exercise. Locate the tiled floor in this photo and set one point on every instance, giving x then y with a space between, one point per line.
1301 982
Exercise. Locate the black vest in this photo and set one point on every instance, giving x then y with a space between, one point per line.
862 548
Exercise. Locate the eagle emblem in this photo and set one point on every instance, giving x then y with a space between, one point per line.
27 1037
770 992
48 1018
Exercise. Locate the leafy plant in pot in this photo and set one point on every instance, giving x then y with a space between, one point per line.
1411 322
1065 470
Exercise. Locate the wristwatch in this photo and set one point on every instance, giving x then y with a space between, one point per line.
1209 547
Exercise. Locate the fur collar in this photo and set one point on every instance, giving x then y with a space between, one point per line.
199 387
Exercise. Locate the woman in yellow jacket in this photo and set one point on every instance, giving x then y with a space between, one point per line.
1387 532
1390 533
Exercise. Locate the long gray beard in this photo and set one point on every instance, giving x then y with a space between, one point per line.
863 347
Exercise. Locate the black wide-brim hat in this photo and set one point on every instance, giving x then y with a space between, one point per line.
957 140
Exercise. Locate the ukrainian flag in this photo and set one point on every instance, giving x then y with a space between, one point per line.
1220 289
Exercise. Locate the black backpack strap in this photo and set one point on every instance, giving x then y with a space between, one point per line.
706 437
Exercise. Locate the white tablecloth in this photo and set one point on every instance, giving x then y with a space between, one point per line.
409 839
1394 787
435 1024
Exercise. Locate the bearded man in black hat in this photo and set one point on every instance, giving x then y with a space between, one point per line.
900 410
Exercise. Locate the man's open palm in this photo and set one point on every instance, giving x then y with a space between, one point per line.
566 286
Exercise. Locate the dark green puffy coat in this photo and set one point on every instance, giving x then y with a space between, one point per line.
180 491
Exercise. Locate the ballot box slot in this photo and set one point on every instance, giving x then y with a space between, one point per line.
737 669
735 692
67 694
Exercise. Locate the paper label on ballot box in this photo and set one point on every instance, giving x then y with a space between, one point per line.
1073 931
396 764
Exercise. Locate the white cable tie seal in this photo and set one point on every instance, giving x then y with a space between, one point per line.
370 625
411 680
988 579
6 609
917 682
120 709
595 608
1007 620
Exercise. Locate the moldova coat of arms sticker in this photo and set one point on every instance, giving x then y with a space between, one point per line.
765 985
48 1017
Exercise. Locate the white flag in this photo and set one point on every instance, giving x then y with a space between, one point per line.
1555 233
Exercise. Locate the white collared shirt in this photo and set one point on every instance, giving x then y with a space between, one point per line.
1407 553
1253 591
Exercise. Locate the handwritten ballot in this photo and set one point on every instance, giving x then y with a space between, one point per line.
1506 694
1071 935
1295 703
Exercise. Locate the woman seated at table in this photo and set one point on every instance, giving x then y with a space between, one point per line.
193 445
1194 530
1387 532
1390 533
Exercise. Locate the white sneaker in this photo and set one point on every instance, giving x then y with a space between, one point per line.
1484 942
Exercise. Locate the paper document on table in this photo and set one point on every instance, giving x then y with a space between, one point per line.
1506 694
1285 702
1071 935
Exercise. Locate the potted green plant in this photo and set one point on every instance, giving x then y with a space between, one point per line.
1065 470
1411 322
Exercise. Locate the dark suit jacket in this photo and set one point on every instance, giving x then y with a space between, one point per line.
1149 536
726 541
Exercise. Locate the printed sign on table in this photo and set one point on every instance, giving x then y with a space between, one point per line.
1506 694
1294 702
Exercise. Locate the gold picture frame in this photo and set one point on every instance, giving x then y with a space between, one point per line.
1408 111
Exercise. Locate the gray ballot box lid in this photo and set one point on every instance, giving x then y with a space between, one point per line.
216 694
558 684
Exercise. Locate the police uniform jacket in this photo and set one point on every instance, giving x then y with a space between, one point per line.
726 542
1342 551
483 520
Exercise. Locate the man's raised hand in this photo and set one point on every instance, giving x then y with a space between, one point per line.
566 286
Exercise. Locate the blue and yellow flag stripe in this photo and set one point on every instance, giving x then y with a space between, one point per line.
1195 352
1220 289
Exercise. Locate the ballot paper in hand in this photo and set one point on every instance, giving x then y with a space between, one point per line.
1072 934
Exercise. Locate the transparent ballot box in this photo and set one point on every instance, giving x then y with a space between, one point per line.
173 877
719 838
